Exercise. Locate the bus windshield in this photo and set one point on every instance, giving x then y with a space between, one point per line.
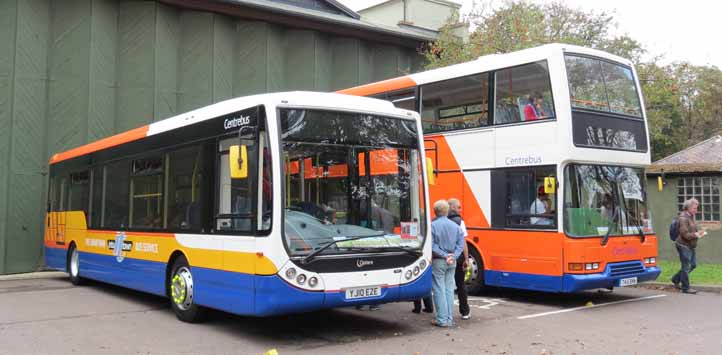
601 200
350 175
599 85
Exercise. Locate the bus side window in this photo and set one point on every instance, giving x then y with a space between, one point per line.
519 199
186 181
459 103
523 93
116 203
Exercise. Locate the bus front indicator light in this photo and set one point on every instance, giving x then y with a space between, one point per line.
416 270
408 274
291 273
576 267
313 281
301 279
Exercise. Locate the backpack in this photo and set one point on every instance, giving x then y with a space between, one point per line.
674 229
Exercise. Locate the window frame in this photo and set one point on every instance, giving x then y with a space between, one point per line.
551 95
642 115
499 202
489 96
704 207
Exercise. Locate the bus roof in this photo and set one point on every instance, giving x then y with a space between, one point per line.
292 98
479 65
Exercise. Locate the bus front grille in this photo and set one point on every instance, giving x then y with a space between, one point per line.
626 268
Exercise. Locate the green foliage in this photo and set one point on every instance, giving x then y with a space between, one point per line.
683 102
704 274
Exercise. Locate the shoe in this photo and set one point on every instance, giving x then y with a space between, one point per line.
360 308
437 324
427 310
691 291
374 308
466 316
416 310
676 285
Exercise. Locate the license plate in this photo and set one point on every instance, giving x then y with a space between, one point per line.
363 292
628 281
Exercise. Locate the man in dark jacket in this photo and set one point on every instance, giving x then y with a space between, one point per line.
463 262
686 244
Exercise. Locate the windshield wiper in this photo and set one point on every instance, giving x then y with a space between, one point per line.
311 256
410 251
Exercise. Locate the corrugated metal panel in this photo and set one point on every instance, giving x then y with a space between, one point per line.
166 62
196 64
8 16
385 59
365 63
24 230
69 62
224 33
103 68
324 60
136 64
300 63
345 63
251 58
275 55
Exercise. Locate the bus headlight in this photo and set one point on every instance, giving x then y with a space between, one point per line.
301 279
313 281
416 270
408 274
422 264
291 273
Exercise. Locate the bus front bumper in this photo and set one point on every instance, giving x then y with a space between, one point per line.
614 275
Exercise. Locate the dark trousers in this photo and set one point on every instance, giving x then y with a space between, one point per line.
428 304
688 259
460 287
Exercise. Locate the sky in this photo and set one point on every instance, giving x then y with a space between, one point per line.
688 30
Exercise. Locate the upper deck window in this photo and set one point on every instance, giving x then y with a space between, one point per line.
458 103
599 85
523 93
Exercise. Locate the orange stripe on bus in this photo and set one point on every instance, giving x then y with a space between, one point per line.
105 143
381 86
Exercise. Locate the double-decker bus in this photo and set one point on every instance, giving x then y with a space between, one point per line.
546 149
261 205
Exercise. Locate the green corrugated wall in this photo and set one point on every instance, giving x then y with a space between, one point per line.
74 71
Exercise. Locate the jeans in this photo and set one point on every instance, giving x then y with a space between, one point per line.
443 289
459 276
688 259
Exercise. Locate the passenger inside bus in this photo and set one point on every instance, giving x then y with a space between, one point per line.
541 206
533 109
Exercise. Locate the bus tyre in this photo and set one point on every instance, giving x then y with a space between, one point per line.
474 279
74 265
180 291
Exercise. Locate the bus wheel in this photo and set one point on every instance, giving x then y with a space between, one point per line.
181 292
74 265
474 279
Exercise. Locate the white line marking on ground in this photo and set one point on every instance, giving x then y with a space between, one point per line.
489 302
587 307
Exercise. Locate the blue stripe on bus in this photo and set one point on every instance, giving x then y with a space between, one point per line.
565 283
55 258
232 292
142 275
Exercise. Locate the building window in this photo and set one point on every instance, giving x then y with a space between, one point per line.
706 190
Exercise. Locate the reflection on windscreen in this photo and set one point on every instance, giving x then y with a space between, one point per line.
601 200
599 85
354 176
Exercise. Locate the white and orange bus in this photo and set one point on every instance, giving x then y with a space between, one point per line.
546 148
260 205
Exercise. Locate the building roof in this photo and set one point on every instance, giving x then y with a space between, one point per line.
704 156
300 14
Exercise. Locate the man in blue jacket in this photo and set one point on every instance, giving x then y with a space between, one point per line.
447 244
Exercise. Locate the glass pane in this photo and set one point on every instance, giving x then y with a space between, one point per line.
79 192
97 210
235 195
147 201
403 99
185 185
455 104
117 195
602 86
523 93
715 217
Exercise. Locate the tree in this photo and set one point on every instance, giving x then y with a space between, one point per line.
518 25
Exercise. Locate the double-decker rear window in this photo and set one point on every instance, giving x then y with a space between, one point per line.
600 85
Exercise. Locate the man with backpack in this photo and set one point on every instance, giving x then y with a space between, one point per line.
685 235
463 262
